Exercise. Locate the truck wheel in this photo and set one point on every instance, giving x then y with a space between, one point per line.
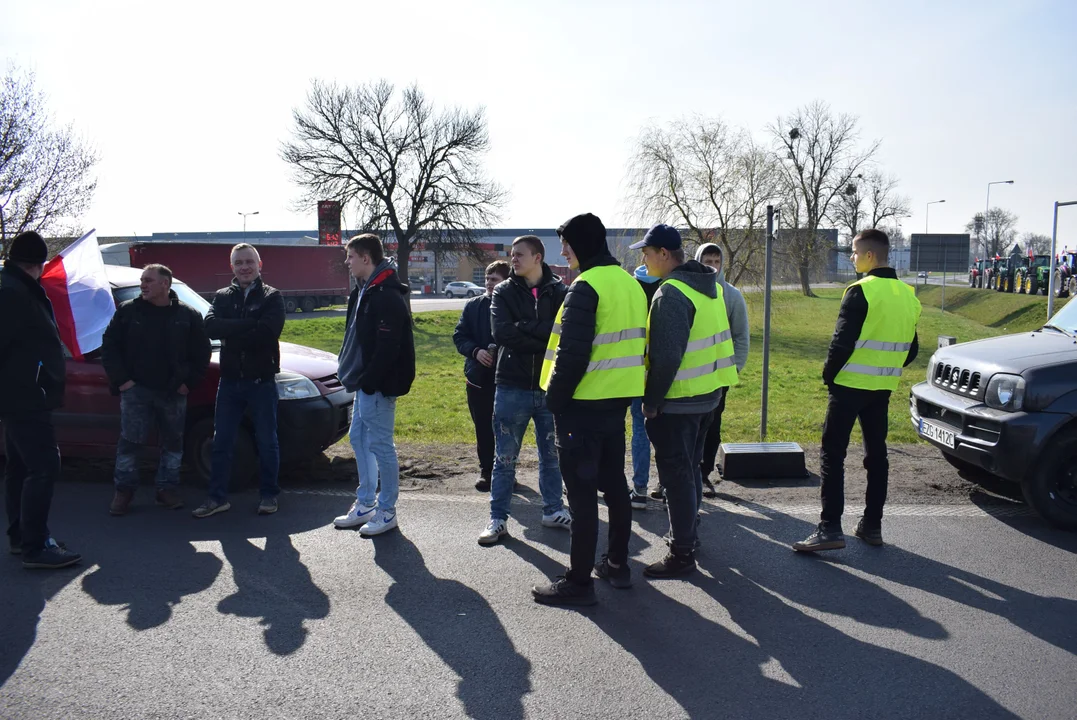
1033 285
1051 488
1071 287
198 454
308 305
289 305
972 281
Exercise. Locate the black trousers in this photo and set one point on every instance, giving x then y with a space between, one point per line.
678 452
33 465
844 407
713 441
591 455
480 401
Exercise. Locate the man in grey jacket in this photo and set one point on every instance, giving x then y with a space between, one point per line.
677 401
736 310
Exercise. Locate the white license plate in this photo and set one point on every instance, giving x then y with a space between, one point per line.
939 434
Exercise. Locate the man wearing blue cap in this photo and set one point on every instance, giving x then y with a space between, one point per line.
690 363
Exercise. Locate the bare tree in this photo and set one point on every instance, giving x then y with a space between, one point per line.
997 235
397 163
869 201
819 156
45 172
1036 244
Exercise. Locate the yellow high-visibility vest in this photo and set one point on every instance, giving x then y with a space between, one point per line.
615 369
886 338
708 359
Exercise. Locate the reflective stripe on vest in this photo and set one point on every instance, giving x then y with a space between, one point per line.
616 365
708 358
886 337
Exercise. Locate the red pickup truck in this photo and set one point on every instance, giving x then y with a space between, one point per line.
314 410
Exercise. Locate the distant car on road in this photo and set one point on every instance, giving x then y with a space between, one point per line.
922 274
463 289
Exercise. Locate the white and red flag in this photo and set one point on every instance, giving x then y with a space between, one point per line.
81 296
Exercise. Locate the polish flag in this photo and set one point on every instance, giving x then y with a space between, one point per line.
81 296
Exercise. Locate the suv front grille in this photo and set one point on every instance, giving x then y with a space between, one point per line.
331 382
957 380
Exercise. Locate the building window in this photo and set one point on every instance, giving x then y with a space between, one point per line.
478 275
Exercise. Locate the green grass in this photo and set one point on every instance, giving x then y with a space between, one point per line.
1010 313
801 328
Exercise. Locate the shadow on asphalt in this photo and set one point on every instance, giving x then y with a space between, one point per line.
145 565
1033 526
459 625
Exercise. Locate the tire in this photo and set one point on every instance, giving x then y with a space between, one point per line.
197 453
972 281
308 305
471 293
1033 285
1071 287
1051 486
448 294
290 305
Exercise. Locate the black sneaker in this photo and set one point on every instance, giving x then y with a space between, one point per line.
563 591
618 577
821 539
15 545
708 489
672 565
659 493
638 500
482 485
51 558
871 534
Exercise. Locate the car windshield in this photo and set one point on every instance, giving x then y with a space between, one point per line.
183 292
1066 318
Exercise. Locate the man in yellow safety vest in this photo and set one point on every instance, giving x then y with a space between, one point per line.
592 370
874 339
690 364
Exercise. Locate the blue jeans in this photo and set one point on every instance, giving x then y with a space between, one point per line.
234 398
513 408
641 449
371 437
141 410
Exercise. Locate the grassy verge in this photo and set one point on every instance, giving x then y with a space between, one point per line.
436 408
1009 313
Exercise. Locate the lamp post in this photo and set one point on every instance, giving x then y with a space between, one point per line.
987 209
1054 249
245 221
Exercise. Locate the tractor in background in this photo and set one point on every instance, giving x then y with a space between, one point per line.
1030 277
1066 274
976 274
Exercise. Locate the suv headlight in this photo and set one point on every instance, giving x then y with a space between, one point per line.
292 386
1005 392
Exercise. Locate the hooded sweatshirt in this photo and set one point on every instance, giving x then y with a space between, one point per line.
736 311
670 321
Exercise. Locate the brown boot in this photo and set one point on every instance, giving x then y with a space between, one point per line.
121 501
169 498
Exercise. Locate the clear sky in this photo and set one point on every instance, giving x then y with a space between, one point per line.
188 102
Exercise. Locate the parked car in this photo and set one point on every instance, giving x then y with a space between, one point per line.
1007 406
463 289
922 274
314 410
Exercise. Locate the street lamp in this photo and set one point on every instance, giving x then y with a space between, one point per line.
987 209
927 209
245 221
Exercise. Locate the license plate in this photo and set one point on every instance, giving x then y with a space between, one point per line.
938 434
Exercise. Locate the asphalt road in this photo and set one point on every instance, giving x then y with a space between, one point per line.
419 304
963 615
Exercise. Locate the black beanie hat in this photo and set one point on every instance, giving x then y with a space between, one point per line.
586 235
28 247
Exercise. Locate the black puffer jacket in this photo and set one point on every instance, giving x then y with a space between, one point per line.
249 330
578 326
522 324
127 347
383 331
32 371
473 333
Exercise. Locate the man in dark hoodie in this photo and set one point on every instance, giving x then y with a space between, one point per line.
690 361
377 363
474 339
593 367
522 312
32 376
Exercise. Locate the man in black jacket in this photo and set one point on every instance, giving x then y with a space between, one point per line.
522 311
474 339
155 351
32 376
247 317
377 362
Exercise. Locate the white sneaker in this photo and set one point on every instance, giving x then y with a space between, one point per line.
496 530
358 515
560 519
381 522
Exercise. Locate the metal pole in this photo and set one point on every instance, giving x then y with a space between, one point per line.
1054 249
987 209
942 305
768 275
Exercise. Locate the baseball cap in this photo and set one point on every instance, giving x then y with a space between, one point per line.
659 236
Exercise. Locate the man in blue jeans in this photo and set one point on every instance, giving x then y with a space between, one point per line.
522 311
377 363
247 317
